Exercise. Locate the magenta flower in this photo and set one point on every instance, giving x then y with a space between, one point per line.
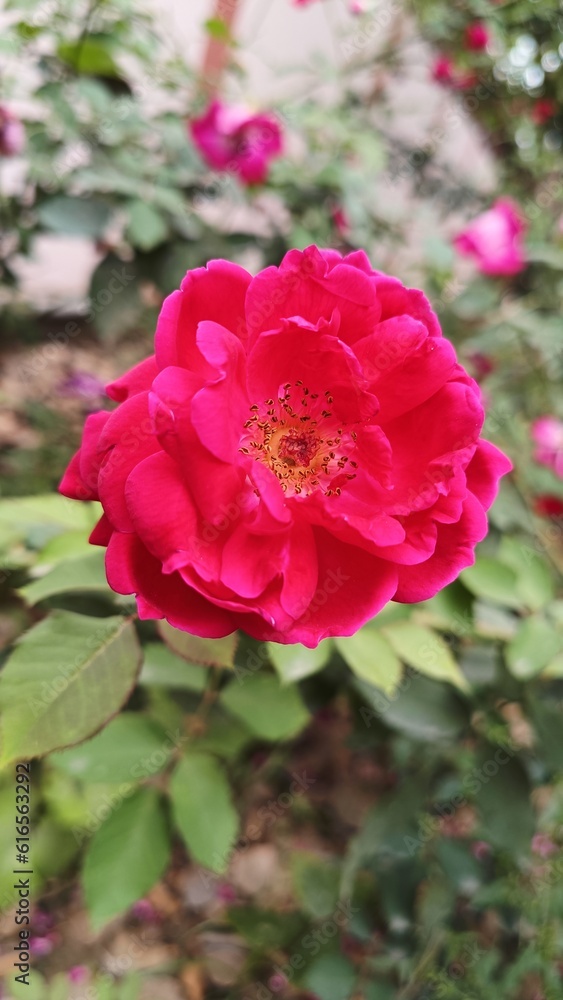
232 138
12 133
547 433
443 70
476 36
494 239
78 974
543 845
302 448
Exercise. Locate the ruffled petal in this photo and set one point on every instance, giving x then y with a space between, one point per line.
214 293
455 551
137 379
131 569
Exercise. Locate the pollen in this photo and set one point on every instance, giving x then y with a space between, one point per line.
300 441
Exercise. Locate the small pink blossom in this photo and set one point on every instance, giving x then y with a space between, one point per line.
226 893
494 239
547 433
232 138
144 912
481 850
443 69
476 36
547 505
78 974
543 845
12 133
341 221
277 983
543 110
41 946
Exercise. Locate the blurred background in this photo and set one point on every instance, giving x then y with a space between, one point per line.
390 840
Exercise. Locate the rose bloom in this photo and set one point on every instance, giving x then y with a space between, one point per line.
235 139
443 70
547 433
12 134
476 36
302 448
543 110
494 239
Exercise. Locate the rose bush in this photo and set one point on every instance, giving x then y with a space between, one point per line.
302 447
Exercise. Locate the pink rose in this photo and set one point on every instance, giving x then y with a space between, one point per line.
12 134
302 448
476 36
494 239
543 110
547 505
443 70
547 432
234 139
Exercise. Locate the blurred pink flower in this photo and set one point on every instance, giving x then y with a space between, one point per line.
547 433
77 974
277 983
226 893
341 221
543 845
476 36
443 69
144 912
547 505
543 110
233 138
481 850
12 133
42 946
494 239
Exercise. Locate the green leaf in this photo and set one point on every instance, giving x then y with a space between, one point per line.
269 710
421 709
218 29
75 216
316 884
84 573
210 652
203 810
494 581
425 651
146 227
535 644
293 662
23 514
131 748
267 930
126 856
68 545
503 793
162 668
331 977
534 580
92 55
66 677
115 303
370 656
